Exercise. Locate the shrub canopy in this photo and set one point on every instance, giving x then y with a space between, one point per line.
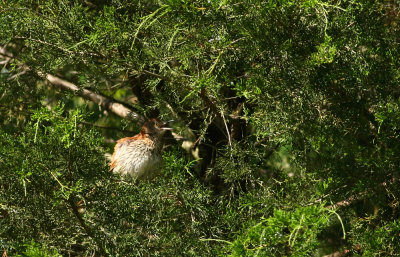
290 108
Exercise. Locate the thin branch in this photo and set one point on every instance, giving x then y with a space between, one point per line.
58 47
5 62
227 131
87 230
107 103
215 109
18 74
5 54
155 75
351 199
106 127
208 102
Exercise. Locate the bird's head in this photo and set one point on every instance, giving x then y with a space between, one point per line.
155 127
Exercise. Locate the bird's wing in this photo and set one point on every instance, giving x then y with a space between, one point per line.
121 142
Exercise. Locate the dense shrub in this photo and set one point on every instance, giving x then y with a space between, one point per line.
288 112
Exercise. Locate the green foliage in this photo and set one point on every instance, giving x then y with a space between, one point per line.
46 169
60 187
325 52
378 240
286 233
288 103
33 249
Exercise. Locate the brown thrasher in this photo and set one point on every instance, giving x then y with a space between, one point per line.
140 156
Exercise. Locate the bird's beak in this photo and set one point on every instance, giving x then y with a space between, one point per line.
164 125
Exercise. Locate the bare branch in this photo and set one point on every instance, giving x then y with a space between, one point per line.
6 55
107 103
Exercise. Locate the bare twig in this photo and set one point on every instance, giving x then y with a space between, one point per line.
227 131
18 74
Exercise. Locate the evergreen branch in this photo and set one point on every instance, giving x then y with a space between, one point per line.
144 22
106 102
68 51
211 69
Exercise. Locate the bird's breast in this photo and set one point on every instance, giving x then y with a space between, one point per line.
136 158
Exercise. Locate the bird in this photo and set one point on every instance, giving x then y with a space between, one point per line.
139 156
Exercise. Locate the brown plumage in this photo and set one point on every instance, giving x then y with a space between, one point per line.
140 156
